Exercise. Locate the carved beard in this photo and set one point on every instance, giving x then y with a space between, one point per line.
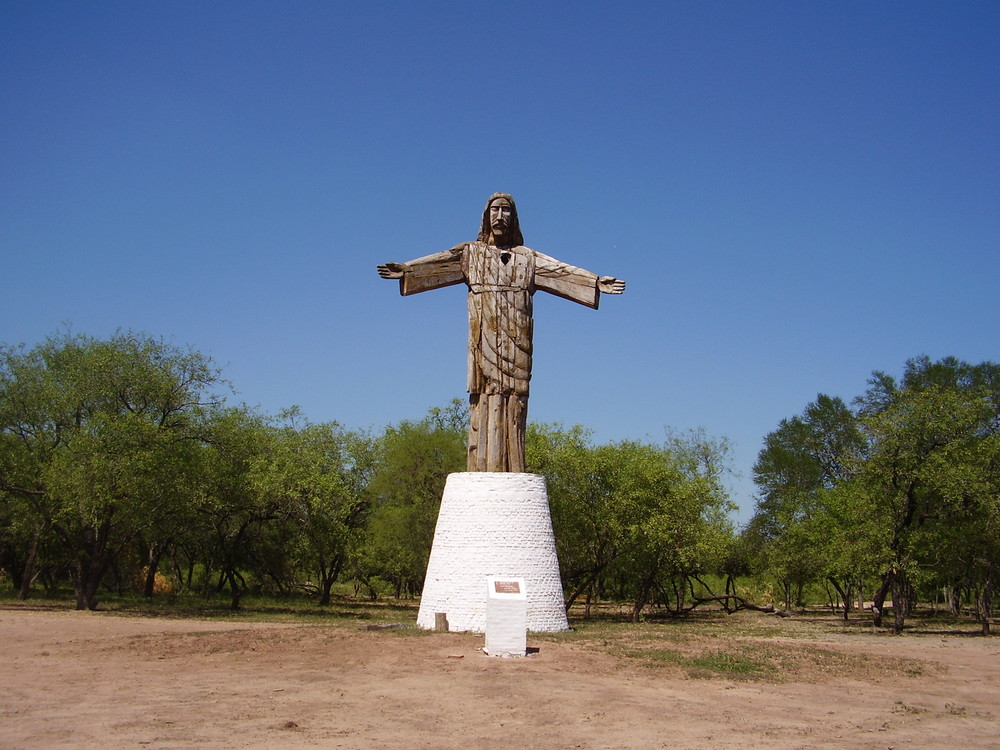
500 240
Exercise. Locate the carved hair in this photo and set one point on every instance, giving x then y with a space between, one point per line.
513 233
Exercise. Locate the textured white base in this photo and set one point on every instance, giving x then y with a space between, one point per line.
492 524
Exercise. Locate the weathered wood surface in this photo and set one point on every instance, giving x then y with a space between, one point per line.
502 275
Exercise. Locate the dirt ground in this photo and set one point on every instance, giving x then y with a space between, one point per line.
95 680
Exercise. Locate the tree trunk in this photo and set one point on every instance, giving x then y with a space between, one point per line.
900 601
984 605
28 575
190 573
206 582
954 594
235 589
114 567
585 586
324 592
681 597
90 566
878 602
156 552
829 597
329 576
730 592
640 600
87 576
845 596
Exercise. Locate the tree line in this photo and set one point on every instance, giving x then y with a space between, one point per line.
894 498
123 464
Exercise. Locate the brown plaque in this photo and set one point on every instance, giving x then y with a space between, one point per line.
507 587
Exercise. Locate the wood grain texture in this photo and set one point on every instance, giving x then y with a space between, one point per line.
502 275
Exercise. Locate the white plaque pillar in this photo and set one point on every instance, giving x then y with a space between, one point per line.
506 617
492 524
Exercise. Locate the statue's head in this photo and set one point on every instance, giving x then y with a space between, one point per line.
500 225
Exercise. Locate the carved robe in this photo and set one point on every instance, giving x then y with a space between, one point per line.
501 283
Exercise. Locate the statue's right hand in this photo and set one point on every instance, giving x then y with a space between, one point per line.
391 270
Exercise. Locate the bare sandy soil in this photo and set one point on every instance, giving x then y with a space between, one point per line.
89 680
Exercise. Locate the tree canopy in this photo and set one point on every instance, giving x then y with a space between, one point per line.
124 466
900 493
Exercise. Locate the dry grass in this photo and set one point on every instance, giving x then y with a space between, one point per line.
746 646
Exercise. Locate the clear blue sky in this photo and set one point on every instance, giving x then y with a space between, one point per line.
797 194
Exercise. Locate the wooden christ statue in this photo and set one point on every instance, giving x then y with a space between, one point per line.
502 275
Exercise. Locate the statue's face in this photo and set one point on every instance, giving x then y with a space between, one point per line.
501 215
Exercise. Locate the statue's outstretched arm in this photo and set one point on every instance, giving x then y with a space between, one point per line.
572 283
610 285
429 272
391 270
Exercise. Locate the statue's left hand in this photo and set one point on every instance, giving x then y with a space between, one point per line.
610 285
391 270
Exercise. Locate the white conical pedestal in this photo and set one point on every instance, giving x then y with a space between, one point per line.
492 524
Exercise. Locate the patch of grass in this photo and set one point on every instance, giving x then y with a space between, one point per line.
343 611
761 660
700 623
706 665
737 661
727 664
746 646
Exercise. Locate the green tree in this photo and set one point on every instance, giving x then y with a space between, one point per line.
902 492
639 514
239 505
316 470
682 528
802 460
930 469
590 519
412 463
93 434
